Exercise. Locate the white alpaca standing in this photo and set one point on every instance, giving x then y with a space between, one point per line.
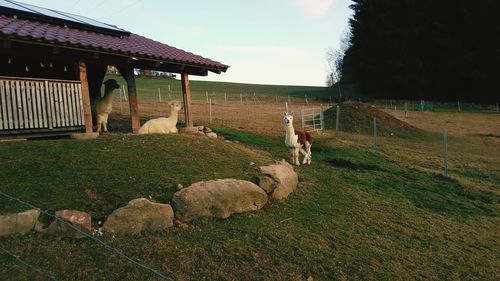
104 105
163 125
296 141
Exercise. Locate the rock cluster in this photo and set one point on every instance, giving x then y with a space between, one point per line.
215 198
198 130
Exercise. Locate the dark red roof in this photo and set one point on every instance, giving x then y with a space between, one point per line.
133 45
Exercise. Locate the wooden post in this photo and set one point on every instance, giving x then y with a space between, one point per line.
87 112
132 100
186 96
210 110
375 131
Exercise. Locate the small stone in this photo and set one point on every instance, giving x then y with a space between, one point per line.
180 224
228 141
59 227
252 163
310 278
212 135
179 186
236 142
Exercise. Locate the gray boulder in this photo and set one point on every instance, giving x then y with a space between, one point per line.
278 180
18 223
140 215
217 198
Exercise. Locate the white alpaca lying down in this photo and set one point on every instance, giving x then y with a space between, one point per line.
163 125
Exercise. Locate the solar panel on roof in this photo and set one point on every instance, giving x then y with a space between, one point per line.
53 16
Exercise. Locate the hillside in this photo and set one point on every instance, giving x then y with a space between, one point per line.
148 88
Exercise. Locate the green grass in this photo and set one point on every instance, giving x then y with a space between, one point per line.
106 173
359 214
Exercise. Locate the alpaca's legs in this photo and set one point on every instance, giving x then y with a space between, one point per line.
105 123
304 161
296 153
309 153
292 156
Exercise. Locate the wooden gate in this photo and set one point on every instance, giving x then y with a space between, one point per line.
34 105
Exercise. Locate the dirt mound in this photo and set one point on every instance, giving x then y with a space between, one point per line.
358 117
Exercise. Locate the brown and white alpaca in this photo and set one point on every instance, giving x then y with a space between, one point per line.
104 105
163 125
297 141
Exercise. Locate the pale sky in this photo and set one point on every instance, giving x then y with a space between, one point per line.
280 42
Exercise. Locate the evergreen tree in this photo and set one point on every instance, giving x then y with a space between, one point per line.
445 50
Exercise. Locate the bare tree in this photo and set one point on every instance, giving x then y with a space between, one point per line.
334 59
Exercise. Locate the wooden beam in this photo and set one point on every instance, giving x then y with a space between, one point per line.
87 112
186 96
128 74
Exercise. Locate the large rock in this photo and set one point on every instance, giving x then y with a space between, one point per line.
140 215
217 198
71 223
278 180
18 223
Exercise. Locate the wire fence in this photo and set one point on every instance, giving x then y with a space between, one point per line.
91 237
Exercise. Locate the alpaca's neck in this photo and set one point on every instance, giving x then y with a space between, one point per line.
108 94
290 137
289 129
174 115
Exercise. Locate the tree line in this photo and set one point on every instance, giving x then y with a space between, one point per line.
443 50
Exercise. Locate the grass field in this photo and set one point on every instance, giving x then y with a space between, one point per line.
147 88
362 211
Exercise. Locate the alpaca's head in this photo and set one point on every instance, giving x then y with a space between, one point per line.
175 106
288 118
110 85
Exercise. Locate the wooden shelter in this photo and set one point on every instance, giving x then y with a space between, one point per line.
52 63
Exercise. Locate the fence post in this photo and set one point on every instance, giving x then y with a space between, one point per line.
302 115
241 98
210 110
305 95
375 131
322 118
124 93
277 100
159 94
337 120
445 152
206 93
406 109
458 102
121 106
497 106
225 98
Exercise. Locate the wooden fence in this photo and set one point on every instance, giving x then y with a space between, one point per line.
39 105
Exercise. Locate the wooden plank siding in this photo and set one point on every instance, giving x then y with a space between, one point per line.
35 104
